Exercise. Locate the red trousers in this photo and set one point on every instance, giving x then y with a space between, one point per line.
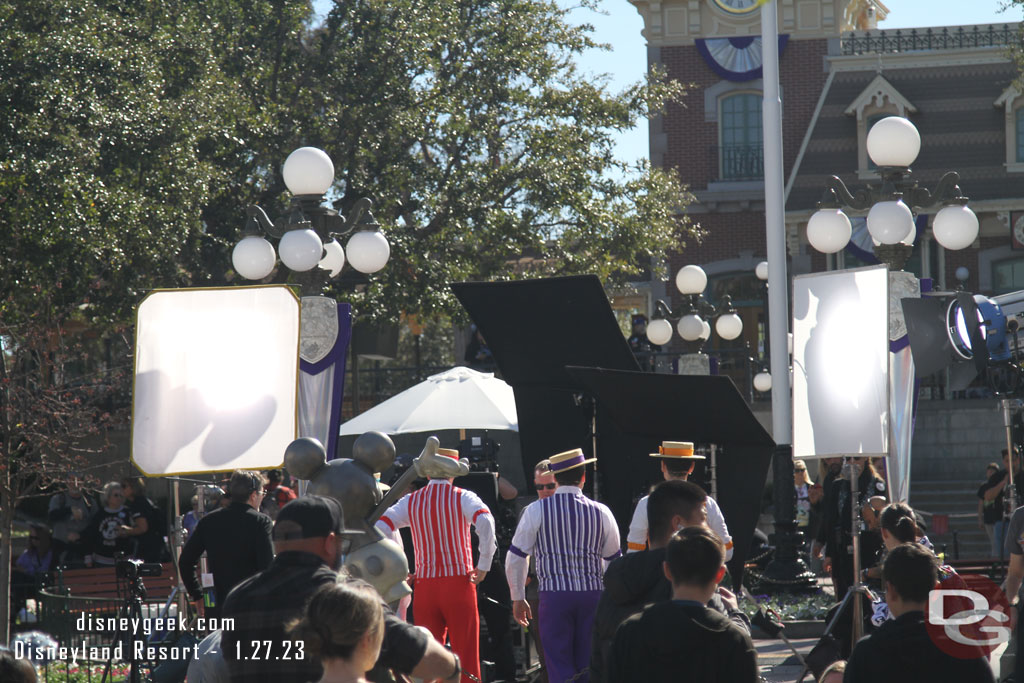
446 606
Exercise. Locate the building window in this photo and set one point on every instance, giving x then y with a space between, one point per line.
1008 276
1013 105
741 152
1019 114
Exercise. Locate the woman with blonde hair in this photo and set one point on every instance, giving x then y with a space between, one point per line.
343 627
103 535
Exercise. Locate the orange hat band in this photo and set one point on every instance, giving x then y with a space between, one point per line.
448 452
683 452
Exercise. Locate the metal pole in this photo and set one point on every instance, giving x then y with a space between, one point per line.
858 605
1010 491
786 568
775 226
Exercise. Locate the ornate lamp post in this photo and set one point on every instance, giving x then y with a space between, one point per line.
692 325
893 144
308 233
308 245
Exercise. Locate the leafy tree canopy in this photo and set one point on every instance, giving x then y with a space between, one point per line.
135 134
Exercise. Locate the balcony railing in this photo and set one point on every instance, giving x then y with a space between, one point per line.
739 162
920 39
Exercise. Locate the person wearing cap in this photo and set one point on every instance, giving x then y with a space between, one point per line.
677 461
574 538
444 595
310 539
236 540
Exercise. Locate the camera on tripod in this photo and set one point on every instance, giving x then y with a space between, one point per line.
481 452
130 569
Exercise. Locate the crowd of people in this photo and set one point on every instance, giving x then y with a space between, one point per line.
657 613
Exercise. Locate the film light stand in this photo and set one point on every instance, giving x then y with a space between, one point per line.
858 589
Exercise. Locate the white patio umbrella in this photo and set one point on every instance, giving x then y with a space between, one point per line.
459 398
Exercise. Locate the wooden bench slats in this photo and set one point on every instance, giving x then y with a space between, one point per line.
102 582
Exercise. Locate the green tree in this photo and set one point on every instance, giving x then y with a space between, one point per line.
470 124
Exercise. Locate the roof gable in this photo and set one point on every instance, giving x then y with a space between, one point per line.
878 91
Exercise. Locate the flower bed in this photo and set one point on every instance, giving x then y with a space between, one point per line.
69 672
791 606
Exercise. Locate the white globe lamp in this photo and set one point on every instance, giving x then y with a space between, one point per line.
761 271
705 330
334 258
690 327
659 331
829 230
691 280
763 382
253 257
955 227
893 141
729 326
308 170
890 222
368 251
301 250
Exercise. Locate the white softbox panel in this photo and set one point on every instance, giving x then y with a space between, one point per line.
841 363
216 379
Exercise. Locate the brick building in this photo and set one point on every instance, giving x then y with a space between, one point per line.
838 74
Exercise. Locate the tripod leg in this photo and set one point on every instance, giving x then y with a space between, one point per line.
850 592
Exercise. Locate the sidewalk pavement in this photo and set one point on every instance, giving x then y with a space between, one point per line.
779 665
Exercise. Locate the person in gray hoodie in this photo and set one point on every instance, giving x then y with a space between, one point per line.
634 581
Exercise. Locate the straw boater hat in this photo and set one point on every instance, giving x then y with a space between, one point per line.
677 450
448 453
568 460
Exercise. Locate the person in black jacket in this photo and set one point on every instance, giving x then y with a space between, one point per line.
237 541
682 640
310 537
902 649
637 580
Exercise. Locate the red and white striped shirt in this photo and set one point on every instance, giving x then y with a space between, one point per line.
439 515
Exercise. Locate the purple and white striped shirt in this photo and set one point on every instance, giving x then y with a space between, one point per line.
573 538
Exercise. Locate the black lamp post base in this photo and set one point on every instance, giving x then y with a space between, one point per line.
787 570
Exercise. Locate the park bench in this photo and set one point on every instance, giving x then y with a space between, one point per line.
96 592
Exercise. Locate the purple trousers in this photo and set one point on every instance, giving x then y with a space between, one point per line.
566 621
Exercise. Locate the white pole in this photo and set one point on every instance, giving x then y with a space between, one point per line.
775 225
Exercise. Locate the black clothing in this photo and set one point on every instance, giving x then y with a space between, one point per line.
994 510
237 544
148 547
101 536
631 583
901 650
681 641
264 603
836 528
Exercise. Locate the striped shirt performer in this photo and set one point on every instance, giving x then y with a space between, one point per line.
444 592
573 539
677 461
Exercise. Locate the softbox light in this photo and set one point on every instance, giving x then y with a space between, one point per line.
841 363
216 378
